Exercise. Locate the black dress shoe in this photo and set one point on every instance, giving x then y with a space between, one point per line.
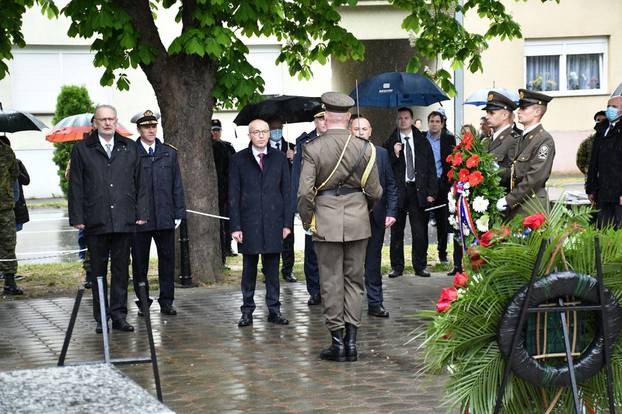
277 318
289 278
168 310
378 311
314 300
454 271
245 320
395 273
422 273
13 291
122 325
98 328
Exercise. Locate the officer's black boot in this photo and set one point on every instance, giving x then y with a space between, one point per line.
336 350
350 343
10 288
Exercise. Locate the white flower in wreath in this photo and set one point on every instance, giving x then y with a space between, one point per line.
482 223
465 230
451 202
453 221
480 204
466 186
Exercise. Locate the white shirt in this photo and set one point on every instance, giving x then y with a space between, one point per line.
257 151
147 146
496 134
411 143
531 128
103 143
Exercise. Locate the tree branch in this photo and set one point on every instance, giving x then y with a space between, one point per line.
187 8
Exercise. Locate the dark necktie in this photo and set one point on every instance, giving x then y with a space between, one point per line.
410 168
261 155
278 146
150 152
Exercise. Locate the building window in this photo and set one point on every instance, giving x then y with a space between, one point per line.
566 66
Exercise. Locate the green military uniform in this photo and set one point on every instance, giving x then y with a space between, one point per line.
8 174
533 161
503 146
338 214
584 154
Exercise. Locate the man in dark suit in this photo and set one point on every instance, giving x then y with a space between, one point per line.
442 143
278 142
412 161
312 272
259 191
162 178
604 185
106 199
381 217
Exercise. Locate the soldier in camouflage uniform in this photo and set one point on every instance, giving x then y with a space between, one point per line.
584 152
8 175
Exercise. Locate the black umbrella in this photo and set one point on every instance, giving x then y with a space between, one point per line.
15 121
290 109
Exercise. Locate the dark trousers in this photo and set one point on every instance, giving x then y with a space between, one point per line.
312 273
373 258
165 245
117 247
419 229
442 227
270 267
609 214
288 255
457 252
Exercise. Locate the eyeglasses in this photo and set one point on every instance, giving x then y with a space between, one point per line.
106 119
260 132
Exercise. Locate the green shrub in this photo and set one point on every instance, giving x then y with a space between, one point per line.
72 100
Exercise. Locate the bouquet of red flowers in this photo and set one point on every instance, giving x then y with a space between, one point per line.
475 190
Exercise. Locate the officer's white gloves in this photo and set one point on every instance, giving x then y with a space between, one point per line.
177 222
502 205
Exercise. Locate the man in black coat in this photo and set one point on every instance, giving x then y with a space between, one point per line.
162 179
259 205
278 142
442 143
222 152
107 200
311 269
381 217
412 161
604 183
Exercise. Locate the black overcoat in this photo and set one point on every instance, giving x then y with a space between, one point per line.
259 204
162 178
387 206
106 195
21 209
425 169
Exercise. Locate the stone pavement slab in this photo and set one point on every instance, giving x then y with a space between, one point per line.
209 365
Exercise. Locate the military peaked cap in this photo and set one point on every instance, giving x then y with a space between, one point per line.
528 97
337 102
497 101
146 118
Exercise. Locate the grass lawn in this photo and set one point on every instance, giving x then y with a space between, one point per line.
63 279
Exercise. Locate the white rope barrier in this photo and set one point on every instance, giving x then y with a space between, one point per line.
208 215
46 255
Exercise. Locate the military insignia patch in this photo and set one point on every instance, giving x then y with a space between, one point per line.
543 152
148 113
490 97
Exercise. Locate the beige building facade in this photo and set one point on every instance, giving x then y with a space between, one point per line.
569 51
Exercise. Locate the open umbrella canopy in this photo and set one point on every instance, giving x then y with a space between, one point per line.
396 89
74 127
16 121
617 91
480 96
290 109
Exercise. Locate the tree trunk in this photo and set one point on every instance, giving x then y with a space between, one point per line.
183 86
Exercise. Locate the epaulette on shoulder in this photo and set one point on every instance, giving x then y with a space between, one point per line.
169 145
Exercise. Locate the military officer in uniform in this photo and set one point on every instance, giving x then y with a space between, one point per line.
9 172
533 158
339 185
499 109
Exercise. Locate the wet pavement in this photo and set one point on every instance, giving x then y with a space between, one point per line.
209 365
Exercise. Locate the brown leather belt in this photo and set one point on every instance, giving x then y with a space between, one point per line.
338 191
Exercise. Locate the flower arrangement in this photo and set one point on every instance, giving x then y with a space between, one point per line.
461 338
475 189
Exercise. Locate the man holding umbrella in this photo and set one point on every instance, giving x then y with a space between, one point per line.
338 187
8 175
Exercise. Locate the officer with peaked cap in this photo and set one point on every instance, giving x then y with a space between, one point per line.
533 156
499 109
162 178
338 187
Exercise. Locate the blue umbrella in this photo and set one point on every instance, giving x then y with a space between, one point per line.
479 97
396 89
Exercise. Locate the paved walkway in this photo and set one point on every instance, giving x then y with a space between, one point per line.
209 365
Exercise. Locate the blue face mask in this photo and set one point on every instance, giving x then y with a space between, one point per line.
276 134
612 113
